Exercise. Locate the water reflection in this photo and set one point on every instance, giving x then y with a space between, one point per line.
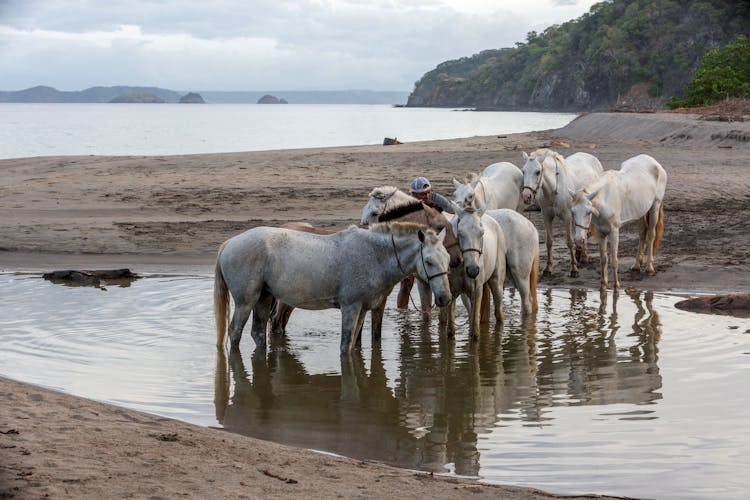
446 393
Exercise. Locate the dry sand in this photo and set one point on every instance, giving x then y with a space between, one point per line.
170 213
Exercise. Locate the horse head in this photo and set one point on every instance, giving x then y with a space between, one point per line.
533 175
582 211
376 203
465 194
437 220
467 224
433 265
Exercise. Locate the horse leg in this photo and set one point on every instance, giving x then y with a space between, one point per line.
615 237
475 305
484 310
425 298
376 319
447 319
495 286
239 318
642 232
548 242
571 248
402 301
603 261
521 282
359 326
261 313
653 219
349 319
280 314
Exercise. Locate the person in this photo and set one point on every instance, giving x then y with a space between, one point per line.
421 189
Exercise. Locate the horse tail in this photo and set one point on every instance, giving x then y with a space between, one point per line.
533 278
221 303
659 228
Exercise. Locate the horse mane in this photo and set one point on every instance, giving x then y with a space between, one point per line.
400 210
541 152
398 228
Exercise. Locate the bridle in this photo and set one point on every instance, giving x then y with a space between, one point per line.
541 177
421 256
458 241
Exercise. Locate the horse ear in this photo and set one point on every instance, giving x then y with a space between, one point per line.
456 184
474 183
572 194
592 195
441 235
421 235
594 211
525 156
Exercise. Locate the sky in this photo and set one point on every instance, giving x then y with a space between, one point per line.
256 44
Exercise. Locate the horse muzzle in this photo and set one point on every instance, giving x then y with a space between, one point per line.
442 299
472 271
528 196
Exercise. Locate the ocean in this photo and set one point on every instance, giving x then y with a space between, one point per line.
42 129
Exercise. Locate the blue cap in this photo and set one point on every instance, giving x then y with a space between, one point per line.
420 185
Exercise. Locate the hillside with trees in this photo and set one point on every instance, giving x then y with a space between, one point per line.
627 54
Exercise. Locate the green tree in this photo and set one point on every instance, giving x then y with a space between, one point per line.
724 73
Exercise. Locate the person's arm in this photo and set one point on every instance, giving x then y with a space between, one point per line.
442 202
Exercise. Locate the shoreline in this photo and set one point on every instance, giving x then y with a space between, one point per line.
169 214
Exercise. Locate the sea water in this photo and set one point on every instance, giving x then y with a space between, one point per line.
623 395
28 130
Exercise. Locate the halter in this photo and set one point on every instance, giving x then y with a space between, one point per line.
582 227
458 242
541 177
421 255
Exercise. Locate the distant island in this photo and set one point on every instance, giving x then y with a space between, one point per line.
271 99
42 93
138 97
192 98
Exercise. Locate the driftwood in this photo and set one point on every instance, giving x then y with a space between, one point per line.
736 304
89 278
390 142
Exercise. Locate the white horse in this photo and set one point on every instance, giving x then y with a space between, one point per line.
350 270
499 186
548 179
483 247
521 254
636 191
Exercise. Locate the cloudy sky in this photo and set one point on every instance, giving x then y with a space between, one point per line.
256 44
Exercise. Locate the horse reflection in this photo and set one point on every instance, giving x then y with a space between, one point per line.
444 393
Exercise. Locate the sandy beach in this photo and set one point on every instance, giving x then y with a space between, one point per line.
169 214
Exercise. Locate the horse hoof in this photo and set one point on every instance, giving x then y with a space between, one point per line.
547 274
573 274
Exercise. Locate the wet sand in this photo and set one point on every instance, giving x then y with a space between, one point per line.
169 214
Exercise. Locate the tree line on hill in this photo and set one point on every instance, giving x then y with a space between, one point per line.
627 54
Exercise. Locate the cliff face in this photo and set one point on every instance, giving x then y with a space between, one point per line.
192 98
623 54
271 99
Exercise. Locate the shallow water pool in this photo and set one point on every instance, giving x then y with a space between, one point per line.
622 395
